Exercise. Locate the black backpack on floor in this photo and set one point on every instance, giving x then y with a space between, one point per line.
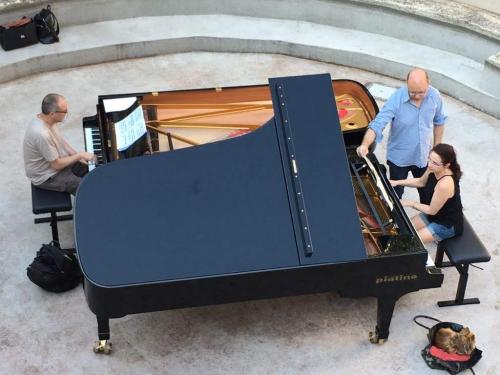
47 26
54 269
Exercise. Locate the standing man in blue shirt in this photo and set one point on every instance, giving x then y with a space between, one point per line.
417 124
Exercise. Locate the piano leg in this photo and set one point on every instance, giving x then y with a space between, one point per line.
385 308
103 345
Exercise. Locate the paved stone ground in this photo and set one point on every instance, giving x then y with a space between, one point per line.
42 333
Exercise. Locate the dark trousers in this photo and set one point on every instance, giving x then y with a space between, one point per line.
400 173
64 180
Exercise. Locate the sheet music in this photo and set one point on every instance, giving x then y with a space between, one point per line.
118 104
130 129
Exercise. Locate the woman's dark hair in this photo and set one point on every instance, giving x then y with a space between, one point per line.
447 154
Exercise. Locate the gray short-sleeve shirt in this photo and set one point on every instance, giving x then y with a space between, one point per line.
42 144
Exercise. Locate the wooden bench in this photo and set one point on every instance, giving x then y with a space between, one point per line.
462 251
50 202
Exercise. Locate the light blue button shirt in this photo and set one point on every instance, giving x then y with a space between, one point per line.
411 133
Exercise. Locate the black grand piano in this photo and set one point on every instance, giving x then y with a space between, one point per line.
274 203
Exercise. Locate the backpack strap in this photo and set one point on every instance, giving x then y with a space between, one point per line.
52 32
56 32
416 317
60 258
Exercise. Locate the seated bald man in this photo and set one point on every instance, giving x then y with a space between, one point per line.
415 112
48 158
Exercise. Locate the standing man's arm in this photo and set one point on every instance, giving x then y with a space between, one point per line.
375 128
438 134
439 120
368 139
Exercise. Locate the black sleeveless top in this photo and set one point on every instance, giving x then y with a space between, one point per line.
451 213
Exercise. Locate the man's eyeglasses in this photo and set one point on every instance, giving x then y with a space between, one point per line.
64 113
415 93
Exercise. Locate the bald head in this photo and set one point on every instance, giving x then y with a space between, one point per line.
418 83
52 103
418 75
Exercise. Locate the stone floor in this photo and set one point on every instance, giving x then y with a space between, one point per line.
43 333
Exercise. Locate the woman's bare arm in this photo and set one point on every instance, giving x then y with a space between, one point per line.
412 182
442 192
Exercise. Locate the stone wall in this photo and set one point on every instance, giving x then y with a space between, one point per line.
490 5
470 36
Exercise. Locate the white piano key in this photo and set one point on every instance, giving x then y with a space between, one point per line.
89 145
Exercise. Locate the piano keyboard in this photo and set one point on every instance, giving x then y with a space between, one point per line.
93 145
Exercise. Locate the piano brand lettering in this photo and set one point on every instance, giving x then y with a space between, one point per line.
394 278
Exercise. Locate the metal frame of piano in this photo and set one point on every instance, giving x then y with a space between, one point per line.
381 255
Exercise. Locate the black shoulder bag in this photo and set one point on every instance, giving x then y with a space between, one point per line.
17 34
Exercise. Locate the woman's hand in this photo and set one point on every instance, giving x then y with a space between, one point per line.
394 183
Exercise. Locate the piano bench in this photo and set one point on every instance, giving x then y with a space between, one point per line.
50 202
462 251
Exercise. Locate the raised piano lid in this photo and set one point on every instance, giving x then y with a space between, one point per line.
224 208
320 189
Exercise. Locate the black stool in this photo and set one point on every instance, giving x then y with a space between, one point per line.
50 202
462 251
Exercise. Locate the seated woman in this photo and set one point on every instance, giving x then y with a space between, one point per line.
441 207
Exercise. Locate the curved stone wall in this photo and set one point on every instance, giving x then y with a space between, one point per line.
470 36
489 5
447 26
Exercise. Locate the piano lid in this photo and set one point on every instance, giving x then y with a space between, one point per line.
320 190
226 207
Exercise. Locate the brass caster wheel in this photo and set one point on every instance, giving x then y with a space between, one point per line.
103 346
374 338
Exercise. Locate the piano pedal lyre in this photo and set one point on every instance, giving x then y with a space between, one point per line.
103 346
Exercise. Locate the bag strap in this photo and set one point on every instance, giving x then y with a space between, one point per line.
59 257
53 32
55 19
424 317
18 23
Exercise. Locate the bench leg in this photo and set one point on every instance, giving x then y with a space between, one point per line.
438 260
53 226
463 269
53 219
